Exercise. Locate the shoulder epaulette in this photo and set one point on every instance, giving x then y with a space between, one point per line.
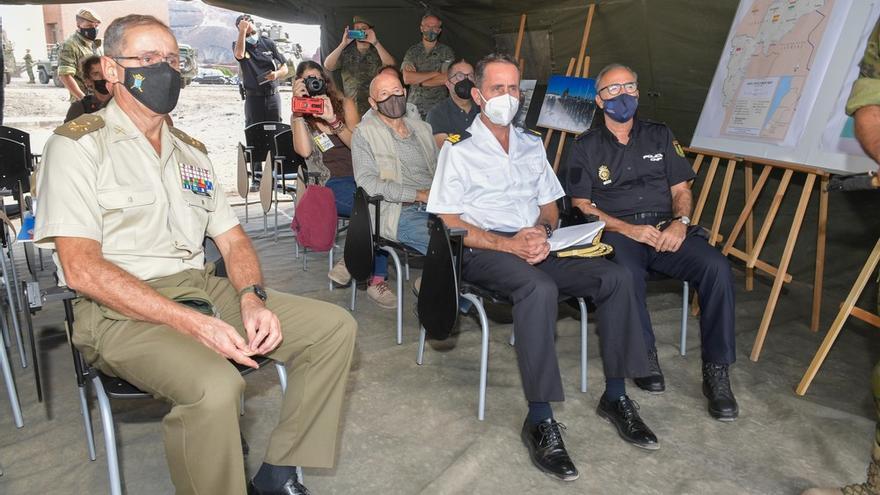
80 126
457 138
195 143
533 131
586 133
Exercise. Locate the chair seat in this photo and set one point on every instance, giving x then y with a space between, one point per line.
117 388
284 176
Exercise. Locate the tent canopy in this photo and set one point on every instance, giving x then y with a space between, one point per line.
674 45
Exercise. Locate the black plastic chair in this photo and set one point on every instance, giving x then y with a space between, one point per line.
14 182
24 138
361 243
259 140
441 289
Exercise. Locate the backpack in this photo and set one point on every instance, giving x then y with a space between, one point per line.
314 219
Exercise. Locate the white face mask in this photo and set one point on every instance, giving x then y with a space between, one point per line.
500 109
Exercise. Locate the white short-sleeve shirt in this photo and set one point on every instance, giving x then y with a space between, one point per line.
491 188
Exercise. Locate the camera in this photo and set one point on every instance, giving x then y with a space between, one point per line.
311 106
315 86
357 34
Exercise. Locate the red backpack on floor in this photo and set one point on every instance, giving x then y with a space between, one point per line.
314 219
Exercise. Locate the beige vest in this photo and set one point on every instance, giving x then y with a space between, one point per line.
385 153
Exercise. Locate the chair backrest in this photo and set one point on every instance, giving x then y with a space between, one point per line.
360 246
22 137
14 170
260 137
282 150
438 295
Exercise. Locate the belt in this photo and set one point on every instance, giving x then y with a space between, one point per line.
647 214
250 92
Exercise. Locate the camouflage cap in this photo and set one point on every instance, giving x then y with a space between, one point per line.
88 15
359 18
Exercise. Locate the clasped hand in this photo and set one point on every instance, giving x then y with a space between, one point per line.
530 244
261 325
668 240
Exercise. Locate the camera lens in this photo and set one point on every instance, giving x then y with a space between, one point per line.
315 86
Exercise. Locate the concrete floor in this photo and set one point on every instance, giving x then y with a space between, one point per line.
413 429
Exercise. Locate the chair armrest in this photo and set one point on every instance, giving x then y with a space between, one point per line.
457 232
375 200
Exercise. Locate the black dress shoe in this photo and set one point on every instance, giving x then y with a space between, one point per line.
290 487
547 450
654 382
623 414
716 388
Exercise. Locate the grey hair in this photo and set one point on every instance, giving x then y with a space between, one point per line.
610 67
116 31
435 16
480 69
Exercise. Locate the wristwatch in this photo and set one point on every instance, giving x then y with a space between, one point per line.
685 220
549 229
256 289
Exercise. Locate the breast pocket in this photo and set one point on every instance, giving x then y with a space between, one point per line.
125 213
193 220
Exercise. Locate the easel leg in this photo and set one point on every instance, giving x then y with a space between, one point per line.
771 217
783 263
704 191
820 254
751 199
842 315
750 229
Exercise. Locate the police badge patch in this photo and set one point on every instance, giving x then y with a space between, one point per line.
678 149
605 175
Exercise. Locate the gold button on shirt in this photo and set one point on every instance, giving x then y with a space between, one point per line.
150 213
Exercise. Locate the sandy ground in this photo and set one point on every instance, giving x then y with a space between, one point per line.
212 114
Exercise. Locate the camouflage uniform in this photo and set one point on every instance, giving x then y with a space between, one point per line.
74 49
439 59
357 72
29 67
866 91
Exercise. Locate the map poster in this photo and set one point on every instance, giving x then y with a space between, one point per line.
771 70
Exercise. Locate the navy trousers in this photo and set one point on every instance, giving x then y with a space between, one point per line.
701 265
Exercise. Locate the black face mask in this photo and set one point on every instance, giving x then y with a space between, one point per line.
157 86
101 86
463 89
393 107
89 33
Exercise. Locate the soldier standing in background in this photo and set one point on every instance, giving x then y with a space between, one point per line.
425 64
78 46
29 66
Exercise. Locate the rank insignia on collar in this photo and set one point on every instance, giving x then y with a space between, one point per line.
138 82
678 149
453 138
605 175
195 179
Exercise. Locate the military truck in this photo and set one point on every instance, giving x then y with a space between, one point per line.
293 52
9 68
189 64
46 68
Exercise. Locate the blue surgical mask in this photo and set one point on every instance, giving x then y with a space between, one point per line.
622 107
252 39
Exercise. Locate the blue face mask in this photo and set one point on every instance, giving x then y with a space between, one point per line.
252 39
622 107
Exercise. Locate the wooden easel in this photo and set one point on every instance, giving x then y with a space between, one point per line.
848 308
751 256
581 68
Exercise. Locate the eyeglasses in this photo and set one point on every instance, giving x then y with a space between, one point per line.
460 76
153 58
614 89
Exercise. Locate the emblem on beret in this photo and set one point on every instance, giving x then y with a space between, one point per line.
605 174
138 82
678 150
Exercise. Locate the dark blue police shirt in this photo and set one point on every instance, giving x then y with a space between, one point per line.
447 118
259 58
627 179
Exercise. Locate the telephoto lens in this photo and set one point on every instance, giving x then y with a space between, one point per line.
315 86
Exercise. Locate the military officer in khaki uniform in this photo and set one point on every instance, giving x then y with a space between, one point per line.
79 45
864 105
126 201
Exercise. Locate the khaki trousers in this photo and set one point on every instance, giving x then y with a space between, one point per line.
201 432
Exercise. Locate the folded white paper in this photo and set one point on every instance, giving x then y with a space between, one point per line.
575 235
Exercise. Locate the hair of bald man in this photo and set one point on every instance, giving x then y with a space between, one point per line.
450 72
113 36
373 82
492 58
430 15
391 68
610 67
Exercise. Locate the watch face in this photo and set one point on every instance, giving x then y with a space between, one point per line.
686 220
260 292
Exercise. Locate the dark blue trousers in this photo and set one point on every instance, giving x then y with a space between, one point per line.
700 264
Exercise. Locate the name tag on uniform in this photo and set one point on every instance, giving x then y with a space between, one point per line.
323 142
196 179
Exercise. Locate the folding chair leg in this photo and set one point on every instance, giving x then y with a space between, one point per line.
11 391
583 306
398 271
682 347
484 353
305 251
241 404
87 422
109 437
330 266
421 352
7 338
354 290
512 338
282 376
276 215
10 298
15 275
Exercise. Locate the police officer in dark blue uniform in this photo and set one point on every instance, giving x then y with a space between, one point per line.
633 174
262 67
